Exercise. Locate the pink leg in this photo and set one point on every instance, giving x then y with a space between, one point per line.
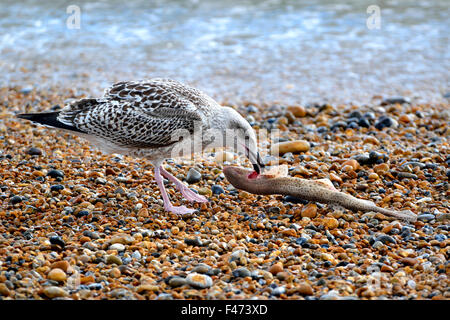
185 191
167 204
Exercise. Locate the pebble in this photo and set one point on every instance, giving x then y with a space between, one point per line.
406 175
394 100
204 191
15 200
409 261
385 122
223 156
193 176
117 246
57 275
309 211
331 223
385 239
122 238
53 173
57 240
305 289
56 187
34 151
377 245
275 268
216 189
115 272
175 282
295 146
55 292
111 259
241 272
297 111
193 242
426 217
62 265
278 291
197 280
352 163
201 268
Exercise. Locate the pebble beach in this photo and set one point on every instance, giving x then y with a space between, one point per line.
79 224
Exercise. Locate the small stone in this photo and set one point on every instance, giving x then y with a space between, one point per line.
175 282
241 272
363 159
120 190
54 292
111 259
304 289
426 217
238 256
201 268
56 187
406 175
373 176
297 111
34 151
57 275
252 109
364 123
309 211
331 223
26 90
443 216
196 242
352 163
53 173
15 200
405 118
197 280
282 276
409 261
216 189
223 156
193 176
377 245
63 265
204 191
295 146
385 122
117 246
4 291
57 240
122 238
278 291
147 287
385 239
394 100
115 273
381 168
277 267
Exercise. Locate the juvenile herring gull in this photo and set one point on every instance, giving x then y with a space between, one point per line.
141 118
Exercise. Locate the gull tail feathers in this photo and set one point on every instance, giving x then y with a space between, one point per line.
48 119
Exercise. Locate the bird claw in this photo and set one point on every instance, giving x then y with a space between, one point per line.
182 210
192 196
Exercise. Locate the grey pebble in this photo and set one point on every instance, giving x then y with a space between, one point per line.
241 272
385 239
177 282
193 176
426 217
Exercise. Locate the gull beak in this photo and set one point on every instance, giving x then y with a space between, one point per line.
259 164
